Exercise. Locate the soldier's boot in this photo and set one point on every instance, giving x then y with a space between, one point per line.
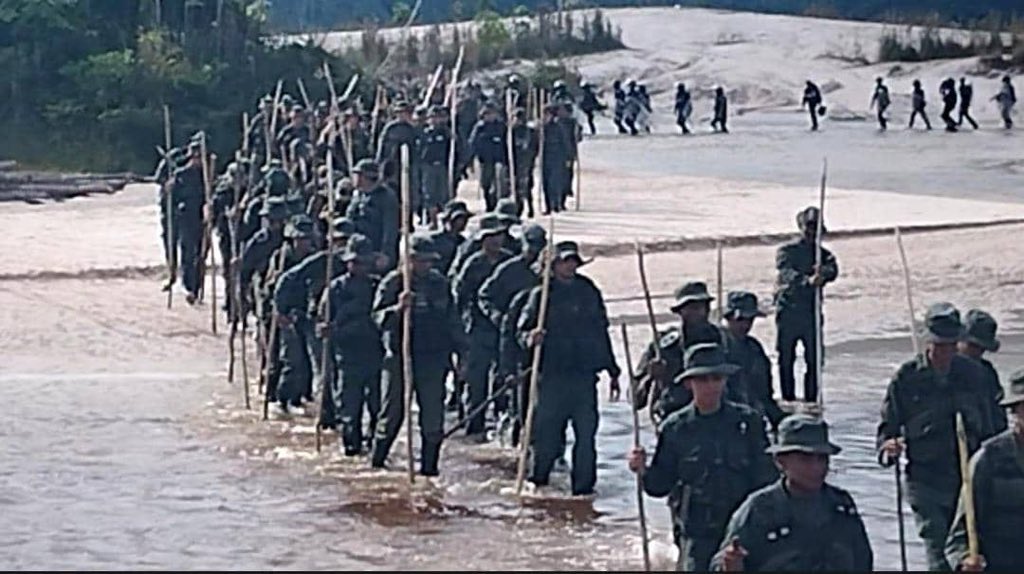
430 456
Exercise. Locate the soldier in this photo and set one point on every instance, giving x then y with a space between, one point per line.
881 101
525 146
643 118
434 154
657 377
575 348
398 132
560 93
556 155
966 96
798 278
298 294
812 99
506 212
468 111
590 105
721 111
375 211
436 333
752 384
683 108
800 523
948 90
297 131
487 144
918 103
1006 98
501 299
998 481
164 178
515 87
355 344
189 198
632 108
446 241
980 338
710 456
296 335
481 333
574 134
619 110
919 414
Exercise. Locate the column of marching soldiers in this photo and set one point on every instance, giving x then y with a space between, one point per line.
308 223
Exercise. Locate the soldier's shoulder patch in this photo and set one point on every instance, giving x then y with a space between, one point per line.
669 338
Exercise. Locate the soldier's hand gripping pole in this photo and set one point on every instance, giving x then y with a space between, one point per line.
636 444
545 290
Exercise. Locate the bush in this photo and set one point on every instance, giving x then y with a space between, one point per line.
931 45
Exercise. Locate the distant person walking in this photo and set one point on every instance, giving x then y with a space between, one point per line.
966 95
1006 98
918 102
948 91
881 101
813 100
721 111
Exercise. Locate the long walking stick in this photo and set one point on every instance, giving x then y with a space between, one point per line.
304 95
967 488
641 268
271 342
719 288
452 101
510 145
917 353
325 354
636 444
407 372
579 178
172 244
541 125
527 430
208 236
479 408
819 295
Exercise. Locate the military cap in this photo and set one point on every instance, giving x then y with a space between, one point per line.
552 108
1014 392
296 203
299 227
981 330
809 217
519 113
359 249
491 224
942 324
507 210
286 99
342 228
533 235
455 209
275 163
742 305
566 250
803 433
401 106
194 148
274 208
694 291
422 248
705 359
367 166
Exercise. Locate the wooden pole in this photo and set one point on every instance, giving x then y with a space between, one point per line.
579 176
453 93
910 297
172 245
208 235
407 366
545 290
819 295
719 284
305 96
541 127
966 488
510 143
273 115
647 299
325 354
636 444
434 79
268 348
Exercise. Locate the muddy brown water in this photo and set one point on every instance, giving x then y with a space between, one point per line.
135 470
